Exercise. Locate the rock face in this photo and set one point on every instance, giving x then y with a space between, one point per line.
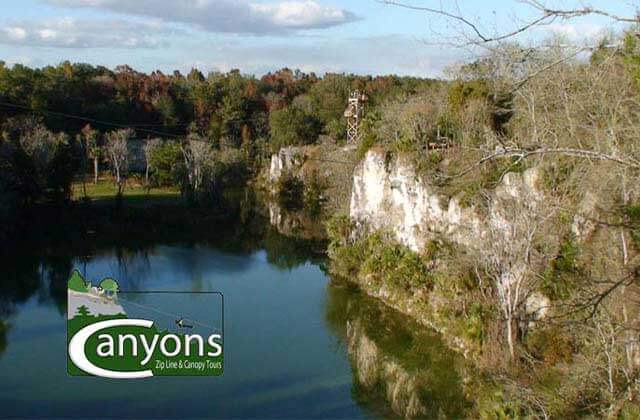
287 159
392 197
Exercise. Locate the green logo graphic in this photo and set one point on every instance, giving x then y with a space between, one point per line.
104 341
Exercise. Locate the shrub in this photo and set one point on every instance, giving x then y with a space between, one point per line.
314 194
550 344
377 255
560 278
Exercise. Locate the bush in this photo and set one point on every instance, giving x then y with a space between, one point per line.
550 344
314 194
559 280
378 255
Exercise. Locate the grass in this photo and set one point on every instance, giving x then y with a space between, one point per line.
134 193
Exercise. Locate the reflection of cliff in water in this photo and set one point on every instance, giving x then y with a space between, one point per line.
399 367
296 223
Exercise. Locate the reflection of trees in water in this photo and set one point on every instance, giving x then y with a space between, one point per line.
399 367
19 281
26 276
55 274
4 330
286 253
133 266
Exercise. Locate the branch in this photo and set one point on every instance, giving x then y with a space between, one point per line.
526 153
546 15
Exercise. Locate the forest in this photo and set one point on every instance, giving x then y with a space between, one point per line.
194 132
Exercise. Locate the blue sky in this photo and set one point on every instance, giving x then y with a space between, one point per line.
360 36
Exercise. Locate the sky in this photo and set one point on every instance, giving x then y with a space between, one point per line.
258 36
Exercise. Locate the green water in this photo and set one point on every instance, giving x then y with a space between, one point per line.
297 344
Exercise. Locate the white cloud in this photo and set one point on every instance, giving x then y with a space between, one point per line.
70 33
576 32
15 33
300 14
228 16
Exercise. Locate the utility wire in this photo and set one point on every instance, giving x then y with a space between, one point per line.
77 117
108 123
265 117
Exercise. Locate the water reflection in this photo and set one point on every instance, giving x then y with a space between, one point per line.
399 367
285 359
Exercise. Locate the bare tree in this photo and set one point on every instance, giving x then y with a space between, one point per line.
92 148
149 147
198 158
510 258
118 152
472 32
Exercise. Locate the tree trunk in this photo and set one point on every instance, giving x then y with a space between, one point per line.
510 332
95 170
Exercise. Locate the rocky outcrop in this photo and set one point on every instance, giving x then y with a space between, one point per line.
389 195
287 159
328 165
392 197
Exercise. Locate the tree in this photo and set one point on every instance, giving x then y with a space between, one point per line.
118 151
167 162
510 258
149 148
36 162
292 126
471 32
199 159
90 138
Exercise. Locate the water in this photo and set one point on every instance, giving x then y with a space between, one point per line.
296 343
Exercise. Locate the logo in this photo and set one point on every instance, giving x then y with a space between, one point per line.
132 335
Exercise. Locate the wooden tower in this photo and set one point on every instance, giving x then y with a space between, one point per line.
353 114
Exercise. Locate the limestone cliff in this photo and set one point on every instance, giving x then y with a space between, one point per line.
391 196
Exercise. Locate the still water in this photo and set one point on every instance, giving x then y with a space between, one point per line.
297 344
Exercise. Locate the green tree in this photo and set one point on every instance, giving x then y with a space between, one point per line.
167 163
292 126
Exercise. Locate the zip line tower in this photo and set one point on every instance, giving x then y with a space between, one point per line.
353 114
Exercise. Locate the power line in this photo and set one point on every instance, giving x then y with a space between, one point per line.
65 115
262 118
88 119
78 117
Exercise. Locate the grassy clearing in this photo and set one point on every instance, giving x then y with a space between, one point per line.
134 193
